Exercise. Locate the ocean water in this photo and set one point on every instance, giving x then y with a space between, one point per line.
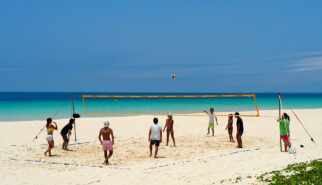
22 106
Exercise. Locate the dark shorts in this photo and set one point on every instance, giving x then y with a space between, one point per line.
240 133
65 138
155 142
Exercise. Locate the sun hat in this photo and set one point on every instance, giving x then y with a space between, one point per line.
106 123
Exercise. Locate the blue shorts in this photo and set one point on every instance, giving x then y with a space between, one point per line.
240 133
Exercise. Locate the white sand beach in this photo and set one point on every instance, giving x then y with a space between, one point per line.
197 159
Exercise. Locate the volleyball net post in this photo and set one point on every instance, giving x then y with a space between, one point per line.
73 112
279 117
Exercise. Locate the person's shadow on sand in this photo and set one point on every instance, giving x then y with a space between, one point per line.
69 150
55 155
161 157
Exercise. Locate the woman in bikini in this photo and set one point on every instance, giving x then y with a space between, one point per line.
230 127
169 126
50 138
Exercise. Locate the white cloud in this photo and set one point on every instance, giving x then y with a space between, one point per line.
308 54
307 64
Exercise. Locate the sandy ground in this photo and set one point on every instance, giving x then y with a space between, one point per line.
197 159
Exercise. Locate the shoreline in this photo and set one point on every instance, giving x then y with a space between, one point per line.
120 116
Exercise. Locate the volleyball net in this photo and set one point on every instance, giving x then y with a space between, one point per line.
178 105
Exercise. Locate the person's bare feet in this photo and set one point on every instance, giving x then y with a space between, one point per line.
106 162
45 153
155 157
150 155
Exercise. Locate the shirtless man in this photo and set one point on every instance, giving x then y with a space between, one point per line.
106 132
169 126
240 130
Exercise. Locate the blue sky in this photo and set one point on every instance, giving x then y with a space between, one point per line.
212 46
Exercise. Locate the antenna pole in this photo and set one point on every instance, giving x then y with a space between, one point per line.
279 117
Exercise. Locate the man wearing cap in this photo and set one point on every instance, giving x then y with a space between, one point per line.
106 133
169 126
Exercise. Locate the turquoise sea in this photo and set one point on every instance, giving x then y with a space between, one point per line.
22 106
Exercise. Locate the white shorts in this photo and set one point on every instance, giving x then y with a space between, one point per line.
50 137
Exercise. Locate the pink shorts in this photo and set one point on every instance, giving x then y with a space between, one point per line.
285 136
107 145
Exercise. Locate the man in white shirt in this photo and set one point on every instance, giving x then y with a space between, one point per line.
155 136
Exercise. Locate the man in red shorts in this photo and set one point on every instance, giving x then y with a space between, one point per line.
107 144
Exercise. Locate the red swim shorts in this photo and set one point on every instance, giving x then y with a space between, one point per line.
107 145
285 136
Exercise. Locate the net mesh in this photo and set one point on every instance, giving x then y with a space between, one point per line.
179 105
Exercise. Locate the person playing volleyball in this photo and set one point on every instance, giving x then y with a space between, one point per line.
240 130
107 144
230 128
169 126
285 130
155 136
211 120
